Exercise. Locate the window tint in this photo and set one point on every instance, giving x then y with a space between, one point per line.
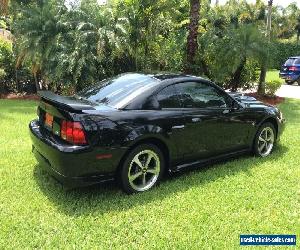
168 98
292 61
119 91
297 61
200 95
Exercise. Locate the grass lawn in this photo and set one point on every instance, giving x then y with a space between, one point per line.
204 209
273 75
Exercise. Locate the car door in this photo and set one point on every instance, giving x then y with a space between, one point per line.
170 118
212 127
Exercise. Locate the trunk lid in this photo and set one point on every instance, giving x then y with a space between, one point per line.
54 111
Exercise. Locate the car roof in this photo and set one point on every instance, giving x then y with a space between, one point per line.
164 80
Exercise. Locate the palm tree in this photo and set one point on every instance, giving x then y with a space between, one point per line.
298 29
249 43
36 32
263 71
4 7
192 45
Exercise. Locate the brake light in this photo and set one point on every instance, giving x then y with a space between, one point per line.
72 132
293 68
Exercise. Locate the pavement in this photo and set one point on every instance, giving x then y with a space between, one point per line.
289 91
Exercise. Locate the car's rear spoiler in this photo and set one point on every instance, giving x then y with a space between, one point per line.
66 102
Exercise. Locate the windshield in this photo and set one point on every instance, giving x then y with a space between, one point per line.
119 91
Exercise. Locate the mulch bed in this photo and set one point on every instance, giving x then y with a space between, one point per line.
273 100
19 96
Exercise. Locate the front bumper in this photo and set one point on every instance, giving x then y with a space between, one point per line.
73 166
281 126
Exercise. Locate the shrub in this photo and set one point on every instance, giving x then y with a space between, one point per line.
2 74
280 52
272 87
3 24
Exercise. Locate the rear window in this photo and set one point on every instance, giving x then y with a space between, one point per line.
119 91
292 61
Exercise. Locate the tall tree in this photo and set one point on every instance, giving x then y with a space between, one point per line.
298 29
192 44
4 7
264 64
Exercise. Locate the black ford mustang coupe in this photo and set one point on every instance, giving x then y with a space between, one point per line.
136 127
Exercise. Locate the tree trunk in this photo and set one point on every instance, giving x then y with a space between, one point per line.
236 78
262 79
192 44
4 7
37 86
264 66
205 68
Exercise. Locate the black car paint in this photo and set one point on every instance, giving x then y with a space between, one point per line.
186 136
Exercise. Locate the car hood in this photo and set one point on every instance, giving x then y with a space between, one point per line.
249 101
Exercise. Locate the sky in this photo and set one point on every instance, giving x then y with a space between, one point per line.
283 3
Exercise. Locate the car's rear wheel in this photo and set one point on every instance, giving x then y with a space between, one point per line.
298 81
288 82
265 140
142 168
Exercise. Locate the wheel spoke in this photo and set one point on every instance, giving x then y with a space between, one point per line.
138 162
148 160
261 139
134 176
266 134
144 179
152 171
262 146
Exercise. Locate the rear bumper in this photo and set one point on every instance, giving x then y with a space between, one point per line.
289 76
73 166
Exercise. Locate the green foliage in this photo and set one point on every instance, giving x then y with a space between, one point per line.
281 51
272 87
242 47
3 24
72 47
2 74
6 64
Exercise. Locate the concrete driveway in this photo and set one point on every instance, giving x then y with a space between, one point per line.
289 91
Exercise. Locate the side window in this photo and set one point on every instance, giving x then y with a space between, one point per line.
200 95
168 98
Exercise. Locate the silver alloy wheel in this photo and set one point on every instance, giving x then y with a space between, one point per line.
144 170
266 141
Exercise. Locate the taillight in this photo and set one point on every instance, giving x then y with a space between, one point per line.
72 132
293 68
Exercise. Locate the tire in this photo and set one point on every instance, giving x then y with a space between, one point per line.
298 81
144 175
264 140
288 82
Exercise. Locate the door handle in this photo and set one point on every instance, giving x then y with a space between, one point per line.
178 127
196 119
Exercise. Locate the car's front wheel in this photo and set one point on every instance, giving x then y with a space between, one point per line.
288 82
142 168
265 140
